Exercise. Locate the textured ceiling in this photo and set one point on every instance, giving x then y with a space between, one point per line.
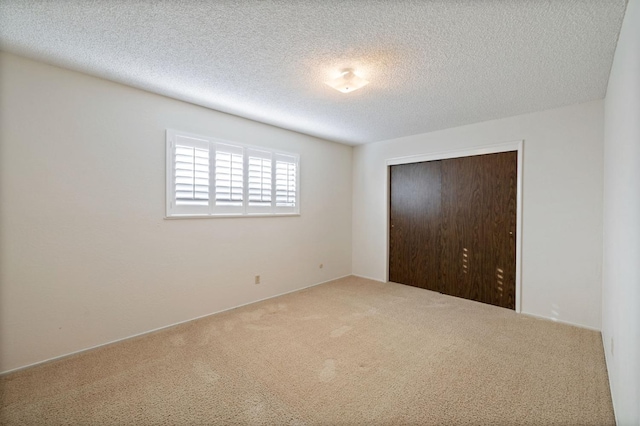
431 64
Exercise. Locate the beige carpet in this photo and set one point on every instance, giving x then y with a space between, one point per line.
352 351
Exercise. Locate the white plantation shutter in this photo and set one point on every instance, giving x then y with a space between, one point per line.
229 178
207 177
192 176
286 182
189 175
260 181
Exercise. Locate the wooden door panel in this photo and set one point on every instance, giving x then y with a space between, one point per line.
462 230
414 231
478 237
499 208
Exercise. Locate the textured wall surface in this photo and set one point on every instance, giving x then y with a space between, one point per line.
86 255
432 64
621 277
562 204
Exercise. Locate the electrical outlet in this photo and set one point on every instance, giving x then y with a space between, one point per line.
321 266
257 281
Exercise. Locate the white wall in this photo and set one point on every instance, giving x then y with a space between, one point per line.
621 281
86 256
562 204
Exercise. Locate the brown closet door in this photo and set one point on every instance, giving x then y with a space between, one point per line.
453 225
478 254
415 224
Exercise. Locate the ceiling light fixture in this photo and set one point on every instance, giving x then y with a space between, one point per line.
347 82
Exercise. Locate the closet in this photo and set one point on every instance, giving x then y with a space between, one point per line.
453 226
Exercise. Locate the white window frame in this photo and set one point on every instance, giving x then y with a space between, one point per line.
174 211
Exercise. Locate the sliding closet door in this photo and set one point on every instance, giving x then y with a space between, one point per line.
414 226
453 225
478 228
500 180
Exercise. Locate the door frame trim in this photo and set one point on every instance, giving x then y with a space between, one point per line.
517 146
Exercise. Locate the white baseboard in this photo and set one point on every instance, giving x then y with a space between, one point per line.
368 278
59 357
561 321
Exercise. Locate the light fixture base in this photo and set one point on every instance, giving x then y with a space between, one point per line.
347 82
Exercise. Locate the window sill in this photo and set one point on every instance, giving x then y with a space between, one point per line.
228 216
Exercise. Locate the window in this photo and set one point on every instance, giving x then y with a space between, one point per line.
209 177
